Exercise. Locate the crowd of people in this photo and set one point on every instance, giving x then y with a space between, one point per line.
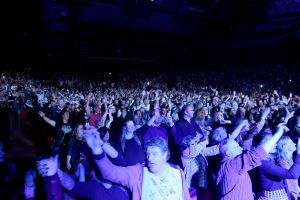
210 135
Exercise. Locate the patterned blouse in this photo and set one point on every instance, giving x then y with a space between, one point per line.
167 188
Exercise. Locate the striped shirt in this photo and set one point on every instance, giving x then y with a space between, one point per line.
233 179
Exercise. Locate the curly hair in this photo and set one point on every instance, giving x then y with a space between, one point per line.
281 150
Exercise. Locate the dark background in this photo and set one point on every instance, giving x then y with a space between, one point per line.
114 35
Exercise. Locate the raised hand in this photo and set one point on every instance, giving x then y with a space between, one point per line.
69 166
288 115
265 113
283 127
104 100
111 118
41 113
198 136
245 122
223 121
93 140
119 113
47 167
89 96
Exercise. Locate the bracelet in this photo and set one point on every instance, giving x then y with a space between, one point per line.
99 156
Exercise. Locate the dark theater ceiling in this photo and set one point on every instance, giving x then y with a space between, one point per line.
150 32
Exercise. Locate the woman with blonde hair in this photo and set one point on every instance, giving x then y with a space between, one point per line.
285 149
272 176
130 147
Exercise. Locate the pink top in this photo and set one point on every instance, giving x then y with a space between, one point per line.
131 177
94 119
233 179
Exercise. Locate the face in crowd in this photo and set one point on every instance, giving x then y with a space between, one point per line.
130 127
156 155
230 148
189 112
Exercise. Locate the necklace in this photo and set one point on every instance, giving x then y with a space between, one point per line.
163 177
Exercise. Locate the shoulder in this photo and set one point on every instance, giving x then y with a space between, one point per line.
283 164
266 165
180 122
174 166
138 168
